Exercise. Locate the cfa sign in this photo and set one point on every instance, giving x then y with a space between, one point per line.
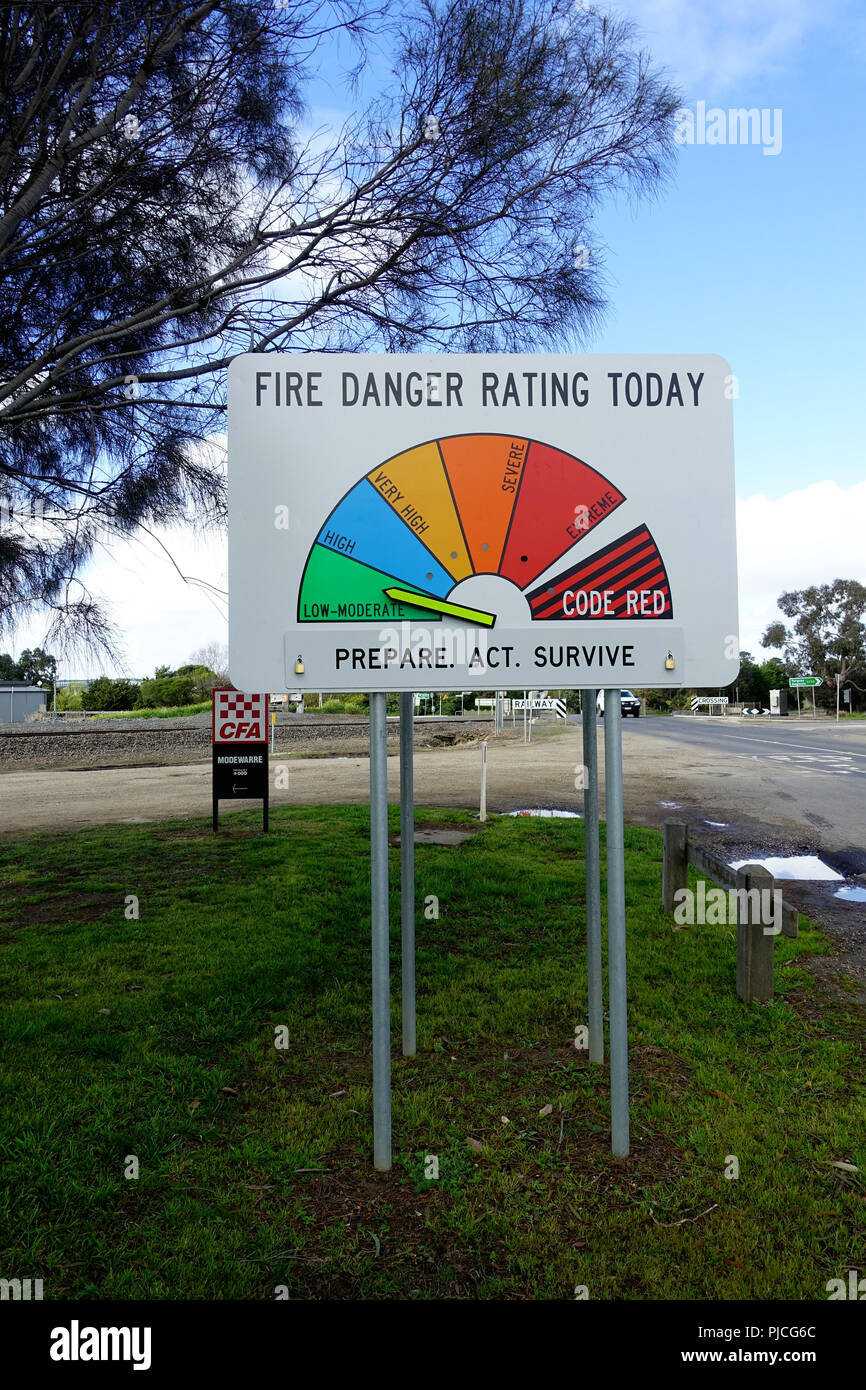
240 750
480 521
239 718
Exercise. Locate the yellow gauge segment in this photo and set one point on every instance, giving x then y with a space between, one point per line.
415 484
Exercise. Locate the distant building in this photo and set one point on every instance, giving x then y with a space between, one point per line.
19 699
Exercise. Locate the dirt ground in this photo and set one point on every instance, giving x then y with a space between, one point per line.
758 809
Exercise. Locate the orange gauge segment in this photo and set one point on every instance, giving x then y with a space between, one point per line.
484 471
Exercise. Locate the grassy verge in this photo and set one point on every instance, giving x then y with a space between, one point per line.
169 712
153 1037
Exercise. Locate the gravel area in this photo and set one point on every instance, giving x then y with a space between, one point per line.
98 743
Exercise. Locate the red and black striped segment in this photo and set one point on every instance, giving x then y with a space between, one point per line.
632 562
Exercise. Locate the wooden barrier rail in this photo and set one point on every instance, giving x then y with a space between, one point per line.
750 883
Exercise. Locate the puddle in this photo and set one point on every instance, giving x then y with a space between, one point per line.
799 866
851 895
567 815
719 824
674 805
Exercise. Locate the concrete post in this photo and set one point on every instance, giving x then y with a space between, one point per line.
754 947
675 861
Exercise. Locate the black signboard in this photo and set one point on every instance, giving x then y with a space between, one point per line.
240 762
240 770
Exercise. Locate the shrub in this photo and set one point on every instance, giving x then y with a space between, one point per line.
104 693
165 690
342 704
68 698
203 680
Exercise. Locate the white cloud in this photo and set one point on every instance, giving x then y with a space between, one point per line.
717 43
161 618
811 536
165 592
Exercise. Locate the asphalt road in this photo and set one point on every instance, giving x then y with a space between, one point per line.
786 773
801 743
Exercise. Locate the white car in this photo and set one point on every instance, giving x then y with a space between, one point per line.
628 703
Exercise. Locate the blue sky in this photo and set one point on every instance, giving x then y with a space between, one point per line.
760 257
757 257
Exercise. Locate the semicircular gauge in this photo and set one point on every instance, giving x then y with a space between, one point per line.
411 530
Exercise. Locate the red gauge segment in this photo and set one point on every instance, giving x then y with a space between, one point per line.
559 500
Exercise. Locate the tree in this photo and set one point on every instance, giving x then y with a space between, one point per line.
161 214
68 698
165 692
828 634
104 693
214 656
774 676
38 667
9 669
750 684
202 680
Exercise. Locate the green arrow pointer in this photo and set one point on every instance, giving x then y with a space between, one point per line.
436 605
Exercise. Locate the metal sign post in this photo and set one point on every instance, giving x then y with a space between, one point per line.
809 683
592 863
379 931
407 870
483 813
616 959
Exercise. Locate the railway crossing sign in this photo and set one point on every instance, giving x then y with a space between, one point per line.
450 521
551 706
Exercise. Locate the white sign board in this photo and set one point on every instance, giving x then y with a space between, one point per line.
556 707
712 700
238 717
468 520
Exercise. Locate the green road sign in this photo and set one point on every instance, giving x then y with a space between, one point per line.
794 681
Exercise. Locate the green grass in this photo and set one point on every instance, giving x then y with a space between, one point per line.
155 1036
169 712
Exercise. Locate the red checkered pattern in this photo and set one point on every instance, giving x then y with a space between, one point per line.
234 705
239 717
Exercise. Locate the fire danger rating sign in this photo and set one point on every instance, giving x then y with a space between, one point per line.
485 520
